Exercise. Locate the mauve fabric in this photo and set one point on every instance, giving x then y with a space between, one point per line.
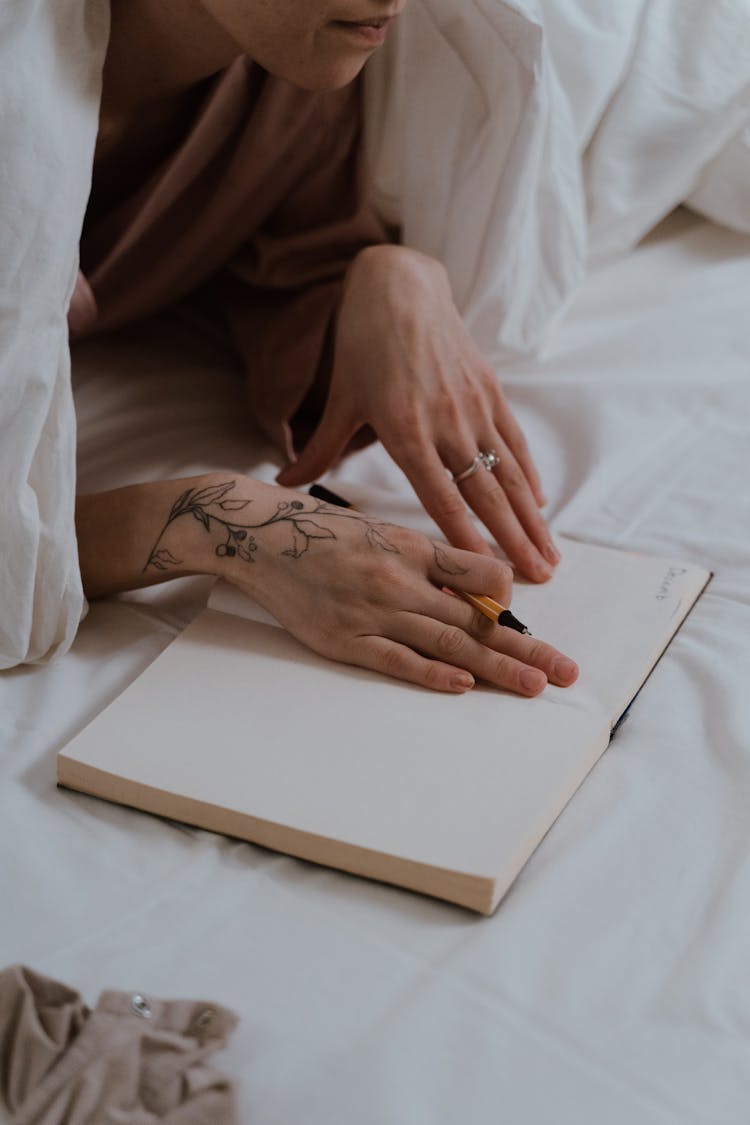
258 204
64 1064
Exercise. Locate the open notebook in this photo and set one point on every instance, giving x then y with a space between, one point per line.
238 728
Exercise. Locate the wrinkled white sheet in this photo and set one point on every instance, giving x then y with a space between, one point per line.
612 985
50 65
516 141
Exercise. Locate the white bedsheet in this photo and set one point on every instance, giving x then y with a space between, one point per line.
612 984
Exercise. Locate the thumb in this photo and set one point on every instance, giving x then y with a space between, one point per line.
322 450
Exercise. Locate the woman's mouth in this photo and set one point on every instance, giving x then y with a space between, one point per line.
370 33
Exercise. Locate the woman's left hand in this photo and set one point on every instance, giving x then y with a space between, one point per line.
405 363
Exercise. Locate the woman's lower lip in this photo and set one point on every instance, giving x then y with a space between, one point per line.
367 33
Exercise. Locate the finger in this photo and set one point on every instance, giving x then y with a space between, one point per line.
401 661
453 645
482 492
439 496
514 438
488 499
558 668
466 570
324 448
505 504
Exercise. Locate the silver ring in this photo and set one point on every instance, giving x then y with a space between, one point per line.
489 460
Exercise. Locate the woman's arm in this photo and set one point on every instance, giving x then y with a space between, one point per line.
123 543
350 586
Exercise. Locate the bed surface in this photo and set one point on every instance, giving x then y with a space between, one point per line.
612 984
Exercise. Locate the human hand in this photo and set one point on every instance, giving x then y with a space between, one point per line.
405 364
365 592
348 585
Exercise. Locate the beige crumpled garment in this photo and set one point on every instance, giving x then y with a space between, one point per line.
133 1060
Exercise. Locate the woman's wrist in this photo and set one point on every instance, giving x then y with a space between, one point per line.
144 534
389 263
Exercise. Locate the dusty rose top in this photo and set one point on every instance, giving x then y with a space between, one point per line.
252 195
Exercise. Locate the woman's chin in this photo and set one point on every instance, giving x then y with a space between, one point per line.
321 76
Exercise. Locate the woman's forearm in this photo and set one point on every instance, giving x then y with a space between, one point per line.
126 538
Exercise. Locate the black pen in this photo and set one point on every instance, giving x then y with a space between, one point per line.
486 605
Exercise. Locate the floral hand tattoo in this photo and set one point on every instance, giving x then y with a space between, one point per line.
213 508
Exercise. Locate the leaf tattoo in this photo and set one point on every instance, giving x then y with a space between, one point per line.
209 506
177 506
233 505
213 494
163 559
445 563
376 539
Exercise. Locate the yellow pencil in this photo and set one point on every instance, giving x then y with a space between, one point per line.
492 609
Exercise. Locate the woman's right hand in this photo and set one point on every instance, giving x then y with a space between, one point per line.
349 586
369 593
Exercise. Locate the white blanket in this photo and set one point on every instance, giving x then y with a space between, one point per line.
51 53
516 141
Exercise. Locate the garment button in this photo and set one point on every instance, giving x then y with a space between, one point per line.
141 1006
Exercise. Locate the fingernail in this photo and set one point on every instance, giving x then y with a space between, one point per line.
462 681
551 553
564 669
543 571
532 680
286 468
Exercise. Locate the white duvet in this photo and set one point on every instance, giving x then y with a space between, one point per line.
51 54
516 141
510 140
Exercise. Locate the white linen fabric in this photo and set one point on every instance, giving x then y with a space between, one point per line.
471 153
51 54
518 141
722 190
681 100
611 985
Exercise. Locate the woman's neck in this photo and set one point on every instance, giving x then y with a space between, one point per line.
158 49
